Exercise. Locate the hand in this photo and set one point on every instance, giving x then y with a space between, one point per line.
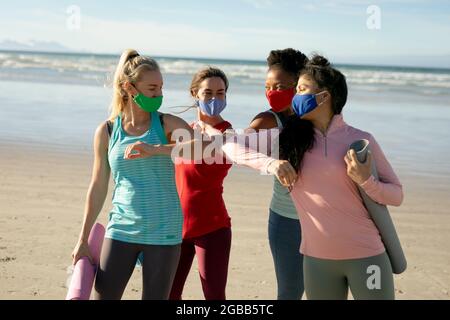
357 171
81 250
140 149
284 172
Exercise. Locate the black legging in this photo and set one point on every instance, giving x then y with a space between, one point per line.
117 263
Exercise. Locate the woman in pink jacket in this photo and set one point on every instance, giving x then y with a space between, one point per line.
341 245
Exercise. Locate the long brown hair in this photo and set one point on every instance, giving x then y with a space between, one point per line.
206 73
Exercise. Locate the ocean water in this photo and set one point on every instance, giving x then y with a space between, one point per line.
57 100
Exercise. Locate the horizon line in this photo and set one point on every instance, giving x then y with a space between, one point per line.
233 60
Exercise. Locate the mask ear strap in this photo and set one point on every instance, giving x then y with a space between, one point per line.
131 84
321 93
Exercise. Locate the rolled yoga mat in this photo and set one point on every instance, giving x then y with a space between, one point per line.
380 214
84 271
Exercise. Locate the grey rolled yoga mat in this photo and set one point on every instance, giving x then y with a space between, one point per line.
380 214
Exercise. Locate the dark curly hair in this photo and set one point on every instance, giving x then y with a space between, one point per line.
289 60
297 136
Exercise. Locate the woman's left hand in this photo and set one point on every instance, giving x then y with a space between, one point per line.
284 172
139 150
357 171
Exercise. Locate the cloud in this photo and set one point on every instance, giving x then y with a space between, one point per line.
104 35
259 4
240 38
101 35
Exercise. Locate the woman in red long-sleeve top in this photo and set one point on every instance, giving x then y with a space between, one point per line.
207 226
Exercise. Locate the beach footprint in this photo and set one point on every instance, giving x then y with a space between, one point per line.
7 259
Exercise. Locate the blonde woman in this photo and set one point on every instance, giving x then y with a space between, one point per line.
146 218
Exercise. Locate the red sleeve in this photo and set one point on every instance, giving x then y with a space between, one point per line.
222 126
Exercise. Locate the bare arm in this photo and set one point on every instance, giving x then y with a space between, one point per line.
97 190
263 120
236 150
191 146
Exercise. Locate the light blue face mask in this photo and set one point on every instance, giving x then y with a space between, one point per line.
305 103
212 107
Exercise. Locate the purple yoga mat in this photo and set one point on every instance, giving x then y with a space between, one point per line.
84 272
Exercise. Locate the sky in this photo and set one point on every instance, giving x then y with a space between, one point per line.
347 31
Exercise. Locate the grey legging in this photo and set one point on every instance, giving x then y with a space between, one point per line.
117 263
368 278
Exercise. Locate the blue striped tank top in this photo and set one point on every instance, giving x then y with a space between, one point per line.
281 202
146 207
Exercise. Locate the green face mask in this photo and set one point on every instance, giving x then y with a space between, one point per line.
148 104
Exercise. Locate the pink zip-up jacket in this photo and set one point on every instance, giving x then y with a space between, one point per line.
334 221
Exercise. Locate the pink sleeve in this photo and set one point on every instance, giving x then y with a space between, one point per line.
387 189
254 150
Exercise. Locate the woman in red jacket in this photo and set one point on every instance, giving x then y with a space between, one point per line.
207 226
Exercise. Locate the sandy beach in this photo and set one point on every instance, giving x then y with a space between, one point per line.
43 190
61 75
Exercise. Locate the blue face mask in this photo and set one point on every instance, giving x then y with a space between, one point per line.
212 107
305 103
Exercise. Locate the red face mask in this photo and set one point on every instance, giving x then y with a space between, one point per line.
279 99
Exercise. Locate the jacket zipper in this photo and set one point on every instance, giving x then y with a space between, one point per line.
324 135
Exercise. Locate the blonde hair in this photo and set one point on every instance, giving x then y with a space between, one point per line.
130 68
